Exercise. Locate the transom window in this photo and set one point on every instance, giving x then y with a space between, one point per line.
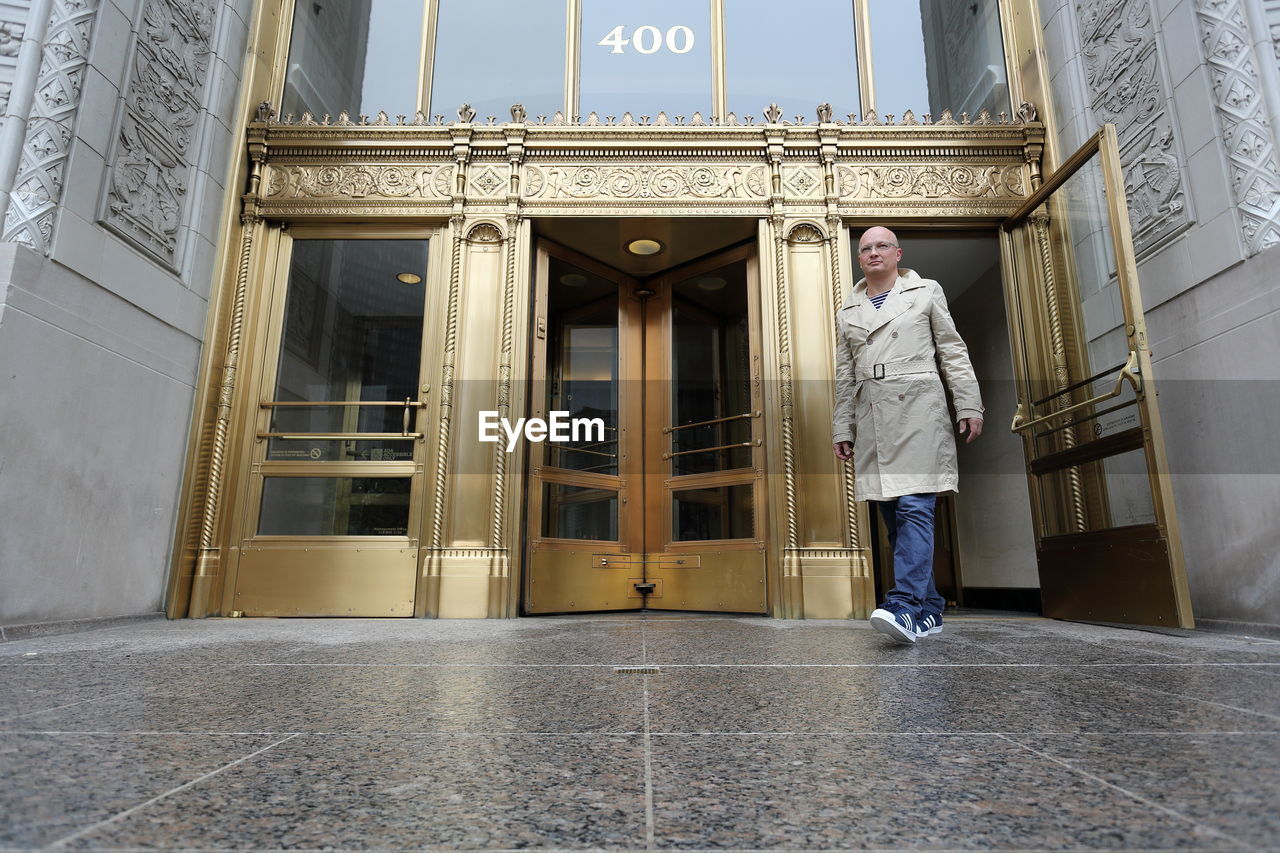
611 57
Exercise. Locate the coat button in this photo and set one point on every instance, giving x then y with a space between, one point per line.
894 335
902 396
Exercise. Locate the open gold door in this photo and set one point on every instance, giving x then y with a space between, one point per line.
664 507
1106 532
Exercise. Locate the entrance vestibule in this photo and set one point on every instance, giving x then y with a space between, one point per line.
984 546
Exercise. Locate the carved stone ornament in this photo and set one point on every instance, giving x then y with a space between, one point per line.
805 233
359 182
37 188
645 182
1247 134
1127 89
801 181
465 114
150 171
488 181
485 232
931 182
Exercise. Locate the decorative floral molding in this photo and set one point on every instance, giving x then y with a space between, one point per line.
150 172
931 182
1247 134
645 182
359 181
38 186
13 17
1127 89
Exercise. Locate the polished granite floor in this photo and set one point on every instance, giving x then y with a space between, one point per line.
743 734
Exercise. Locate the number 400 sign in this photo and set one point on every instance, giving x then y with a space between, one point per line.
647 39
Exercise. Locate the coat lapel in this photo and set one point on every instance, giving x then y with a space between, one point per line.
900 298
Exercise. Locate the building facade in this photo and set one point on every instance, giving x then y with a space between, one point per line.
440 309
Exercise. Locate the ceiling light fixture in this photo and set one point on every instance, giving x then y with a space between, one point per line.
644 247
409 278
573 279
711 282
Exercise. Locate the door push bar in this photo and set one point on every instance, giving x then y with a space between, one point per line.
1130 373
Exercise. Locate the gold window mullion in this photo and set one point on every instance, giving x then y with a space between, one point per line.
431 20
719 66
862 34
572 56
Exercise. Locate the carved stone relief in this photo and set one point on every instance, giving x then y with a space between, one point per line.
1247 134
38 185
801 181
359 181
150 170
645 182
13 16
1127 88
488 181
929 182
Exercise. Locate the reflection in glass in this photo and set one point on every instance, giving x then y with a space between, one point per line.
352 332
718 513
582 364
806 65
523 60
334 506
358 56
645 57
711 372
1117 494
578 512
936 55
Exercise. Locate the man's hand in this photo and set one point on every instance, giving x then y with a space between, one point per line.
843 449
970 427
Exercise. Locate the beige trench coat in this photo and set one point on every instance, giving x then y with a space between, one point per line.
904 442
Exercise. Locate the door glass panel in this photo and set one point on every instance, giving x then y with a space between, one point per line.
523 57
718 513
357 57
808 64
1110 485
352 331
711 372
579 512
645 57
583 365
936 55
334 506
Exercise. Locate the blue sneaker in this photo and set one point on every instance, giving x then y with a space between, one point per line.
899 627
929 624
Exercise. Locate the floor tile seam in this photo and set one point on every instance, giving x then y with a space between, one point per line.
608 735
1263 665
119 816
1159 692
68 705
1149 803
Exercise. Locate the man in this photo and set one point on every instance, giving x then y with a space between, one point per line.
892 334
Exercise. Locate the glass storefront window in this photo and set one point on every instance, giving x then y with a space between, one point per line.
936 55
495 54
646 57
789 60
358 56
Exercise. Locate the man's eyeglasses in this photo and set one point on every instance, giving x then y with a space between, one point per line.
878 248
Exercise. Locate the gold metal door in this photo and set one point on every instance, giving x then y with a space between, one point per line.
1106 531
331 512
667 511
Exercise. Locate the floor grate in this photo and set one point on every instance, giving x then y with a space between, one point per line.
635 670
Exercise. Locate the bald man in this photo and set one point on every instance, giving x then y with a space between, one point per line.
894 334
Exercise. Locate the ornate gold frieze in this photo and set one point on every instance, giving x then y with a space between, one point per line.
366 170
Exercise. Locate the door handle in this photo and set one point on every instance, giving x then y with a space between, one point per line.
1130 373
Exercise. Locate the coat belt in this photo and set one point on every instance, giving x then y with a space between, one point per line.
896 368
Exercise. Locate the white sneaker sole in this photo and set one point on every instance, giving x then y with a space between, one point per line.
885 623
930 632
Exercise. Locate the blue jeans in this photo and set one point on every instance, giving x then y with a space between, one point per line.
910 523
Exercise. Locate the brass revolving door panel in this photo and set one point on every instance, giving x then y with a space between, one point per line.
662 506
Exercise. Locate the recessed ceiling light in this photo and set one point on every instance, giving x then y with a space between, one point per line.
573 279
711 282
644 247
409 278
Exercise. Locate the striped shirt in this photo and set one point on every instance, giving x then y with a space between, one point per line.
878 300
